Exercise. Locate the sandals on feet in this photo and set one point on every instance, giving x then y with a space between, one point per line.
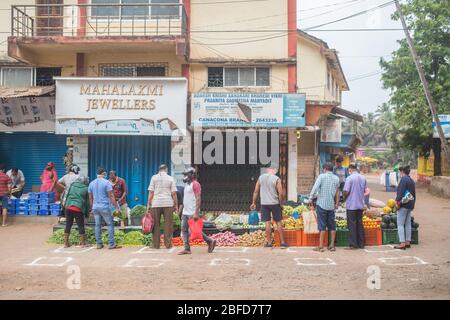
332 249
319 249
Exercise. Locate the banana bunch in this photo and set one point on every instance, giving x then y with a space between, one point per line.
341 223
293 224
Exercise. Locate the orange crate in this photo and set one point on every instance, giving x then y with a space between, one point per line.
312 239
292 237
373 237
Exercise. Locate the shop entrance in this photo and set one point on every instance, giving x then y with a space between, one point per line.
136 159
229 187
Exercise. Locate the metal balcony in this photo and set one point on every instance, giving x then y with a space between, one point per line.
99 20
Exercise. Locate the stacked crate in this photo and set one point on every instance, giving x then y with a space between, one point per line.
37 204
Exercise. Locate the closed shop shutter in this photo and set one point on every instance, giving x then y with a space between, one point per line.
135 159
30 152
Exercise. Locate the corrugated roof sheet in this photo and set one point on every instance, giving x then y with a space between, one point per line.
17 92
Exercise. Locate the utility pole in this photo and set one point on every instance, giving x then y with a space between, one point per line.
424 81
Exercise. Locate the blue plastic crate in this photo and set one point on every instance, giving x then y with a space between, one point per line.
43 201
51 195
32 201
55 212
54 206
22 208
14 201
43 213
33 212
43 206
11 212
33 207
21 213
33 196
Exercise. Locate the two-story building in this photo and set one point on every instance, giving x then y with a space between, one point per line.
130 72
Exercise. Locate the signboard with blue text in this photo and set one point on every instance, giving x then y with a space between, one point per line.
445 124
216 109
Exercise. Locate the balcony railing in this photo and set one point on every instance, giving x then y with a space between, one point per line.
94 20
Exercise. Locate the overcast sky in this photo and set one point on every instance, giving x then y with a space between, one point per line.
359 52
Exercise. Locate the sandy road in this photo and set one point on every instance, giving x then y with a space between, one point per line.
31 269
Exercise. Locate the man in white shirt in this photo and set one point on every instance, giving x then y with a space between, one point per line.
191 210
162 200
17 182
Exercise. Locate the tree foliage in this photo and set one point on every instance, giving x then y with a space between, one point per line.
429 24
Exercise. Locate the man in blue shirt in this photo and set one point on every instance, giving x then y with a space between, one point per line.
101 197
341 172
326 188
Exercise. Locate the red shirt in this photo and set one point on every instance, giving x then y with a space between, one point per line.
119 188
5 181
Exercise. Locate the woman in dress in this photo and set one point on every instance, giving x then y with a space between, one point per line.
49 178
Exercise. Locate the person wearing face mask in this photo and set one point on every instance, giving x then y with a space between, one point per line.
191 210
100 198
269 185
405 201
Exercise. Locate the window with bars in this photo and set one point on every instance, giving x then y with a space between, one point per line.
154 9
238 77
44 76
133 70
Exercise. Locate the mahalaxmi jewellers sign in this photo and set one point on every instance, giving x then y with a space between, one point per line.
125 106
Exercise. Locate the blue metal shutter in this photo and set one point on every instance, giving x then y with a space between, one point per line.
30 152
135 158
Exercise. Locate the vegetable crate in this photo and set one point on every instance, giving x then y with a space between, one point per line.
341 238
390 236
292 237
373 237
312 239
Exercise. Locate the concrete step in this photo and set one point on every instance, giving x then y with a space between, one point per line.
50 220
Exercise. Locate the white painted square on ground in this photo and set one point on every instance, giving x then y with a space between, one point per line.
50 261
74 249
302 250
402 261
231 249
382 249
314 262
230 262
146 263
148 250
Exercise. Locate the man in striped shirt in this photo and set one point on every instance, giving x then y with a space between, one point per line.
5 191
327 190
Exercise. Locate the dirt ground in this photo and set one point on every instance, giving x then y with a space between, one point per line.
32 269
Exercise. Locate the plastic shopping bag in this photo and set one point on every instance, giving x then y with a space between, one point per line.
195 229
310 222
147 223
253 218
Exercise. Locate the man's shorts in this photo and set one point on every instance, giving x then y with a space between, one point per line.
326 219
275 209
4 202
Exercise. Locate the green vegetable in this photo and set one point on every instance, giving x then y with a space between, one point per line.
134 238
58 237
118 237
148 239
138 211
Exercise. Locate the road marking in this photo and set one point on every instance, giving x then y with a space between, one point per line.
314 262
302 250
145 263
38 261
66 250
231 250
230 262
402 261
148 250
380 249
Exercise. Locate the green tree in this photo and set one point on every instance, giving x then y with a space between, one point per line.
429 24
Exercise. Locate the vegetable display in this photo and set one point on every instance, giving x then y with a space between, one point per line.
293 224
134 238
138 211
223 222
118 237
225 239
252 239
288 210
